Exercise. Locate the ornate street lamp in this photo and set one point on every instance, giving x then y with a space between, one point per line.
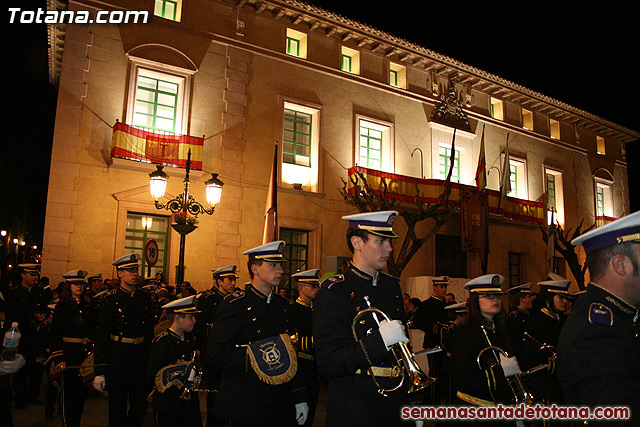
184 203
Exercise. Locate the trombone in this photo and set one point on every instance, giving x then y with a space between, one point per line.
405 363
521 393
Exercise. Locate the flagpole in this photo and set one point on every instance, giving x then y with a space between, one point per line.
271 232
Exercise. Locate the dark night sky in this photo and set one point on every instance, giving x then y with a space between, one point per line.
584 55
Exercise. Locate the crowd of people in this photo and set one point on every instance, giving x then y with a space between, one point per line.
260 356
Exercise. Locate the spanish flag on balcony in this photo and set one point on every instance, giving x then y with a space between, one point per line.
133 143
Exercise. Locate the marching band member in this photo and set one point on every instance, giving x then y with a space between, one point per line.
542 329
353 398
484 386
72 333
599 349
308 286
123 338
521 301
250 334
207 302
171 352
457 314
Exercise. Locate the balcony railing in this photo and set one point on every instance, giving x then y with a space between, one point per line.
403 188
133 143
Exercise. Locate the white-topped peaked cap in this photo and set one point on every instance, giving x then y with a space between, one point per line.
558 286
75 276
487 284
185 305
271 252
460 307
379 223
309 276
95 277
524 289
228 271
625 229
127 261
30 268
442 280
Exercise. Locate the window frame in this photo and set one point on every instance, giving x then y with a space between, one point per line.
177 10
183 77
290 173
601 145
147 234
527 118
517 265
287 254
607 197
400 73
559 193
446 157
302 44
522 188
554 129
387 162
354 58
493 112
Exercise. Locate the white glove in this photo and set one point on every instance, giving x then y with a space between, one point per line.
11 366
419 423
509 366
392 332
99 383
302 412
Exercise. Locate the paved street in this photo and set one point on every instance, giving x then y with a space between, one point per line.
96 413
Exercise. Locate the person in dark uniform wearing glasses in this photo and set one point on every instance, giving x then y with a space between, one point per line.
123 338
207 303
598 359
72 332
353 398
308 287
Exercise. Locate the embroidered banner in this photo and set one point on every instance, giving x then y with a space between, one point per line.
404 188
129 142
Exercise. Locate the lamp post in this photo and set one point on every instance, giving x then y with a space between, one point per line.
184 203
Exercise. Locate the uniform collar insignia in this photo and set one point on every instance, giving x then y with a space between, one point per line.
299 301
622 306
257 292
548 313
126 290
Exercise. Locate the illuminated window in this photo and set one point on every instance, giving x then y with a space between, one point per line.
142 227
444 156
168 9
527 119
158 101
554 129
600 145
604 201
300 141
518 178
350 60
397 76
496 109
296 43
374 146
555 194
296 143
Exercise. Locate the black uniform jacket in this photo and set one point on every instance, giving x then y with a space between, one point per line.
431 317
168 348
353 398
475 385
124 315
72 331
599 353
207 302
516 325
303 327
245 317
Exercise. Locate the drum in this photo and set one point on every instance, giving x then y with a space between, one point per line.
87 372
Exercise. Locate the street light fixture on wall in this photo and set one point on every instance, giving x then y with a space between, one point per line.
184 203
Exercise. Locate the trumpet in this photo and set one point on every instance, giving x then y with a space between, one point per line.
194 382
551 365
405 363
521 393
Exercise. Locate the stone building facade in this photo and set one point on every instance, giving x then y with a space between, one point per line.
335 93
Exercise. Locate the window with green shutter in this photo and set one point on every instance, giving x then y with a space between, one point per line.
444 164
370 148
142 227
513 178
393 78
296 252
166 9
551 192
293 46
156 104
599 201
346 63
296 146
